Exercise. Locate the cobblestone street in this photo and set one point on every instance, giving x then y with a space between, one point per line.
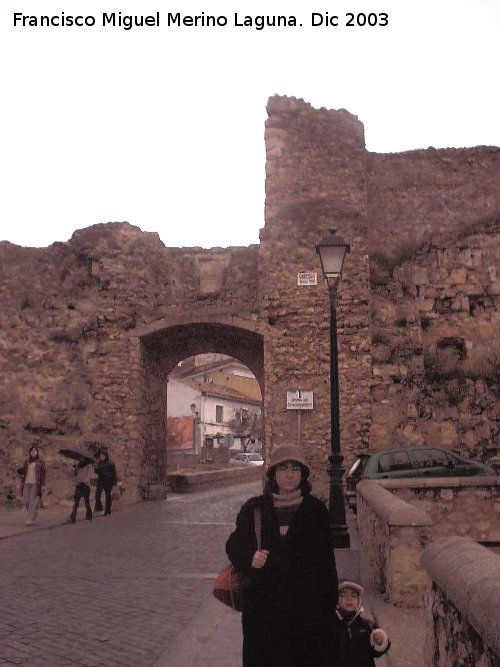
118 591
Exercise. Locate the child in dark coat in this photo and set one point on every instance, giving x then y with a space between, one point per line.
360 641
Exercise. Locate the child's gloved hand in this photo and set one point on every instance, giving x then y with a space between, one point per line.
379 640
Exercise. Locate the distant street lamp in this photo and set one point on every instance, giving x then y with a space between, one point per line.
196 428
332 251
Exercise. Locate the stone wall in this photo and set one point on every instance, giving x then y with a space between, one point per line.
89 329
462 602
315 181
436 349
423 193
393 534
71 366
398 518
464 506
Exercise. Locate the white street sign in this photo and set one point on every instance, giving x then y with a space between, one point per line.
307 278
299 400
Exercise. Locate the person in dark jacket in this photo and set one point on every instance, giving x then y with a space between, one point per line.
360 640
82 473
32 474
106 480
291 591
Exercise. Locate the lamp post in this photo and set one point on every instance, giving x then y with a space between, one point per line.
332 251
196 429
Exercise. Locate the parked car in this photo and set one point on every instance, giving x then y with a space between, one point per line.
248 459
410 462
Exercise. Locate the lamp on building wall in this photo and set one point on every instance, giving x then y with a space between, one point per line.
332 251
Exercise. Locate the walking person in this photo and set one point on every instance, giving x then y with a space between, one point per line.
360 640
106 480
82 471
32 474
291 593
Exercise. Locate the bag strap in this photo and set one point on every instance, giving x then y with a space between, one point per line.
257 520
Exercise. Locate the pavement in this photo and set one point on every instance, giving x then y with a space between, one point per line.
12 520
134 589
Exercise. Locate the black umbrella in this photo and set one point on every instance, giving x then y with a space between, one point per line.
77 454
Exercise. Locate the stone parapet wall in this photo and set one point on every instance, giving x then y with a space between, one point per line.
465 506
186 482
462 603
393 533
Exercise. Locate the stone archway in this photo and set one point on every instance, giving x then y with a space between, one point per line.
165 342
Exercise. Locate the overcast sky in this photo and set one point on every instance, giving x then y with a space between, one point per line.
164 126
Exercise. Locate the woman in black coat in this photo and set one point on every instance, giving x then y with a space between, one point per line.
291 593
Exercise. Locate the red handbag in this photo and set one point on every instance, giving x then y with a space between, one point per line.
229 584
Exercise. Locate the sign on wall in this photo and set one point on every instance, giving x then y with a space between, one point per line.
299 400
304 279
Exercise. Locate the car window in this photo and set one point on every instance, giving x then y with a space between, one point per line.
394 461
255 457
457 461
364 462
429 458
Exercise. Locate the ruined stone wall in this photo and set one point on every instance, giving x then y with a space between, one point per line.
70 365
418 194
315 181
435 299
436 349
417 310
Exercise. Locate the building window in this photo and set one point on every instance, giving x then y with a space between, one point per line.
219 414
244 415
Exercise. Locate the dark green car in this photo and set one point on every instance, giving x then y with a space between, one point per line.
410 462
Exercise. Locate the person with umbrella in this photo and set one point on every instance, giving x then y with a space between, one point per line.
82 472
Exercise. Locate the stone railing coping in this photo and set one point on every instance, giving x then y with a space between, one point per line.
387 506
468 573
438 482
186 480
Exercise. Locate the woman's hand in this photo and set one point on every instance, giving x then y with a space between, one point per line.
259 558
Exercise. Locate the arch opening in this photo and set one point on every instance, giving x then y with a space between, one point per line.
214 412
161 351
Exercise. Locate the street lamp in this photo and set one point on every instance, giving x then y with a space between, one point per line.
332 251
196 421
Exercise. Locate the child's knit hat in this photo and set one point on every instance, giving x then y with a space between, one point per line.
350 584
